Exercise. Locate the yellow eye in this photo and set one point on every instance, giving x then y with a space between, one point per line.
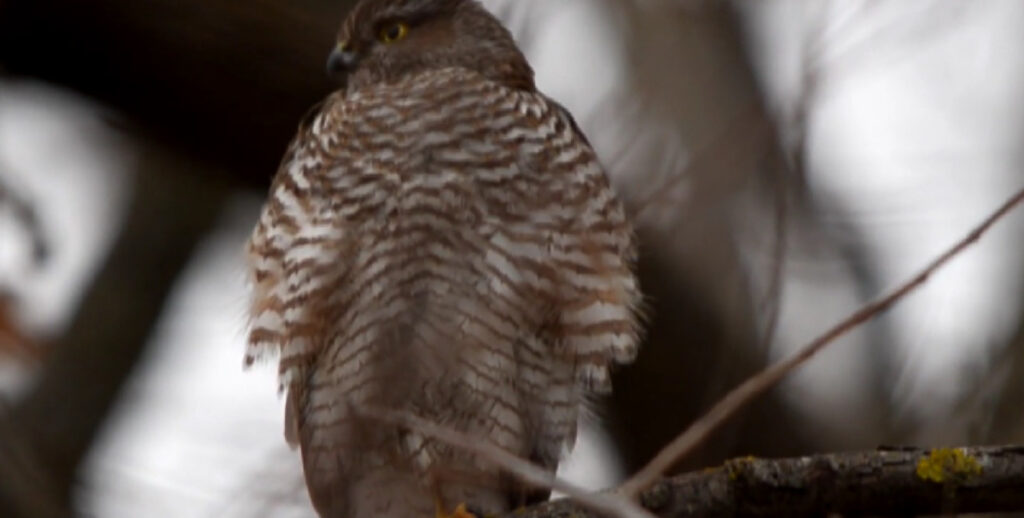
393 32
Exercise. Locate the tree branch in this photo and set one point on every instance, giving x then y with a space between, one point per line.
760 383
526 471
893 482
881 483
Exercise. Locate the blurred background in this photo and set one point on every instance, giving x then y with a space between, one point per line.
785 161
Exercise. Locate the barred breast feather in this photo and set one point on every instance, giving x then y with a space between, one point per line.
445 245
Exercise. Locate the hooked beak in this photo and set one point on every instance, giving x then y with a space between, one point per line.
341 61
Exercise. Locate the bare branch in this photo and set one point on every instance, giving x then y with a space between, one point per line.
760 383
529 473
894 482
771 305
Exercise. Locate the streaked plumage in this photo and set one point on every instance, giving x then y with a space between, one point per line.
439 239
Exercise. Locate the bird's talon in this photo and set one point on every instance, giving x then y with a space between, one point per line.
459 512
462 512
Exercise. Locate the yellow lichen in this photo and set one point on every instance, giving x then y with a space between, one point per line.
943 465
735 466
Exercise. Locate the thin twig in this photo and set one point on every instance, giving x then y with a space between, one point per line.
529 473
773 297
760 383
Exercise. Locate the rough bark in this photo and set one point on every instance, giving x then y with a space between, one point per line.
888 482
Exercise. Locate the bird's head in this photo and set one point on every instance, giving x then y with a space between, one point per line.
384 40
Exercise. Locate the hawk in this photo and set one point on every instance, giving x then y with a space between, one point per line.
440 239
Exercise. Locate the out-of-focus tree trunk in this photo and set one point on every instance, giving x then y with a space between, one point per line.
59 418
224 80
217 81
690 75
